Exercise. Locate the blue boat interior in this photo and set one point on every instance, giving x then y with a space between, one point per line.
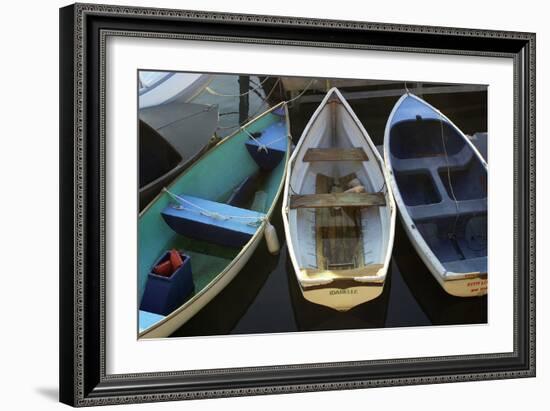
443 185
241 195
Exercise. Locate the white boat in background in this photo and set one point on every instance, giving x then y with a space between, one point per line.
160 87
338 210
439 180
171 137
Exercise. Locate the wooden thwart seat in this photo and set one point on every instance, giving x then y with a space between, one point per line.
335 154
337 200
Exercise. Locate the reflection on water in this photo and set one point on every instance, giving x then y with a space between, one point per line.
256 301
265 296
314 317
439 307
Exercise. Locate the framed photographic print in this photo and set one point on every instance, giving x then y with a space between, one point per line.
259 204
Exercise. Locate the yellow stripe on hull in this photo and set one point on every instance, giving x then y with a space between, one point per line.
467 287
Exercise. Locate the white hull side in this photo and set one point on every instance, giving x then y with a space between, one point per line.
176 86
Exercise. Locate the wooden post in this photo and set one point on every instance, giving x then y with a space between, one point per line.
244 87
276 94
419 90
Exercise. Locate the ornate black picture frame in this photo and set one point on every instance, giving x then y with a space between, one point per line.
83 30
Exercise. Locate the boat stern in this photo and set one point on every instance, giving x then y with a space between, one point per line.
343 297
472 285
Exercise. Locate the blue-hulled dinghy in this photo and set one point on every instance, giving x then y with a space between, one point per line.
439 181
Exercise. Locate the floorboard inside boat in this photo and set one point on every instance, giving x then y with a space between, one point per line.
338 233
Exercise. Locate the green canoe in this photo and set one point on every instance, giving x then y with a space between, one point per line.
214 178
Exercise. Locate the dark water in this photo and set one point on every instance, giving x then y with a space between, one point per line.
265 296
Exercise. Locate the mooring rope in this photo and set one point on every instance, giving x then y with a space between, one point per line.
285 102
253 115
301 93
262 146
206 109
255 112
215 93
449 177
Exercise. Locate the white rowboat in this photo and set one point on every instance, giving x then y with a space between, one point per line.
340 242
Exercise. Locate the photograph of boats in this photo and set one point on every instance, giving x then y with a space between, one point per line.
283 204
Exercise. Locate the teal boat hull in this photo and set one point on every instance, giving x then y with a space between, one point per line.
214 177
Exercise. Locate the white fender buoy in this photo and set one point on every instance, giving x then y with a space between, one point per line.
271 238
